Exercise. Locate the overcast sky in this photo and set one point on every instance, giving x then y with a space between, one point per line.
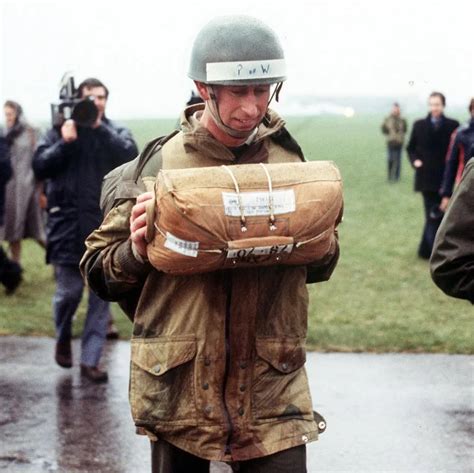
140 49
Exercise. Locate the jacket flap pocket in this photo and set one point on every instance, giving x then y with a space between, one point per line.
158 355
284 354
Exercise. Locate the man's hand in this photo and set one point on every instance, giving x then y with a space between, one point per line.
138 223
69 131
418 163
444 204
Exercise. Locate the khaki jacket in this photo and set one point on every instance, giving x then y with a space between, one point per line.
452 260
217 359
394 129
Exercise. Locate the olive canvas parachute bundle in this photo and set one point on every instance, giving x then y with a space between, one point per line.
211 218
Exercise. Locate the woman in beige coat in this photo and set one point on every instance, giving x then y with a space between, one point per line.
23 215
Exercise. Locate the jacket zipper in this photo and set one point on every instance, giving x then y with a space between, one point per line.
230 426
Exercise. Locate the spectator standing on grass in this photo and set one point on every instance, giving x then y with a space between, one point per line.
459 153
452 261
427 148
74 159
394 128
23 215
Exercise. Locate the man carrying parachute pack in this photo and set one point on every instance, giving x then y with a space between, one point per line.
218 353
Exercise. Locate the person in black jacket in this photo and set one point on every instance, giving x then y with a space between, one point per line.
10 271
429 142
461 150
73 160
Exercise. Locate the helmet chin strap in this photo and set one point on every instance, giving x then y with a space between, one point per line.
214 109
276 93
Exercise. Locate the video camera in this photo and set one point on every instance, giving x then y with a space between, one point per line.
82 110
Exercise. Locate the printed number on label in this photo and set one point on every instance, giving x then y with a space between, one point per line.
184 247
258 251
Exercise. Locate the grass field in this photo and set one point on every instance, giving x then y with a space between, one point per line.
380 298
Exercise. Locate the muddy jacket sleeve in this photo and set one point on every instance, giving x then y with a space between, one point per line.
109 266
323 271
452 261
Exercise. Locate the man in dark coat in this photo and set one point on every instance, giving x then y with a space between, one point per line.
74 159
429 142
10 271
452 261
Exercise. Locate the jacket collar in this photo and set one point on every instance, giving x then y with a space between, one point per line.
197 138
442 118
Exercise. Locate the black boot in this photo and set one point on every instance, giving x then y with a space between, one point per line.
63 355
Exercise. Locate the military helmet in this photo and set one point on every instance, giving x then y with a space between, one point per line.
237 50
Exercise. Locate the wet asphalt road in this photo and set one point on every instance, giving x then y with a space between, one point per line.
385 413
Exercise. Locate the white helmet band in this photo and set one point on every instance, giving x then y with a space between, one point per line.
245 70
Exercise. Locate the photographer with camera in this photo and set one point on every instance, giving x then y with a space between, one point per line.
74 156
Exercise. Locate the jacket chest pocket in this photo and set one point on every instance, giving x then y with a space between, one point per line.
280 386
161 380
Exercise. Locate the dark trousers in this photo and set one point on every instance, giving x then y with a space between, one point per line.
394 154
166 458
430 201
66 299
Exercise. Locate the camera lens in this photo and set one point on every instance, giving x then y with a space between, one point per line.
85 113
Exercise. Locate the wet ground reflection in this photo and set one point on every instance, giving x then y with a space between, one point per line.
384 412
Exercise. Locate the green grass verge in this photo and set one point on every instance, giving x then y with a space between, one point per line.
380 298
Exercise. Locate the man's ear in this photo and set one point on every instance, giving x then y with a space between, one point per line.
202 89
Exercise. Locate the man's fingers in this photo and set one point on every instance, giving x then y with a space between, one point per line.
138 240
138 222
138 236
144 197
68 131
138 209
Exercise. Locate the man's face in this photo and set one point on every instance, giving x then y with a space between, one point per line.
10 116
242 107
100 98
396 110
436 106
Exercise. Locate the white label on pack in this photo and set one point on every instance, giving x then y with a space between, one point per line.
221 71
259 250
258 203
184 247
